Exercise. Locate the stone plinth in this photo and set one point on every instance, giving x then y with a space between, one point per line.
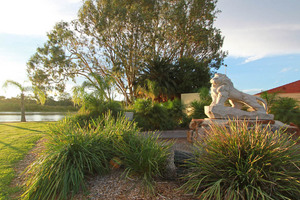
201 127
222 112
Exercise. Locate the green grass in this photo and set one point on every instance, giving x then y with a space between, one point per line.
16 139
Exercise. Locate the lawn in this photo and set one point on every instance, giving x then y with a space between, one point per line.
16 139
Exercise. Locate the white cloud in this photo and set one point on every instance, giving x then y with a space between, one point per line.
34 17
254 29
286 69
253 58
252 91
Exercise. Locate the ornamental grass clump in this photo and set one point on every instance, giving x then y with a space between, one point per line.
144 157
244 162
73 152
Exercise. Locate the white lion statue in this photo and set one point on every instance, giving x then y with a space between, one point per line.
222 89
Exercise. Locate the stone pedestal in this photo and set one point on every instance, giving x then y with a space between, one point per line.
222 112
201 127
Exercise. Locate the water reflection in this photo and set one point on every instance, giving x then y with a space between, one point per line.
32 116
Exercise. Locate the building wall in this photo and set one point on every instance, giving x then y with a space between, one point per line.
291 95
187 99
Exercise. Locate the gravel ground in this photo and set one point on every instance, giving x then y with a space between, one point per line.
113 187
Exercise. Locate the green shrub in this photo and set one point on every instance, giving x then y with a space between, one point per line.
198 110
144 157
74 151
95 110
175 110
158 116
242 163
198 106
286 110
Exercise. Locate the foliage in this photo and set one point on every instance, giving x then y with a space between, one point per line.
161 80
74 151
198 106
16 139
157 80
23 90
144 156
158 116
96 108
117 38
13 105
245 163
93 105
286 110
270 98
191 75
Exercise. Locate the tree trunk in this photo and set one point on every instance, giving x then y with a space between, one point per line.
22 108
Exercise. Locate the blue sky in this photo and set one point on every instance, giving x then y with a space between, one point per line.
262 38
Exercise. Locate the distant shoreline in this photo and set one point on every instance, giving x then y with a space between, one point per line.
36 113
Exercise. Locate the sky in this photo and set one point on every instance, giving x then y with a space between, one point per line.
262 38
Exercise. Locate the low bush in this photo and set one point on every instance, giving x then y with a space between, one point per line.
95 110
158 116
245 163
144 157
74 151
198 106
71 153
286 110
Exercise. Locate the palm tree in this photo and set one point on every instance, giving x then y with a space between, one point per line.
157 80
22 89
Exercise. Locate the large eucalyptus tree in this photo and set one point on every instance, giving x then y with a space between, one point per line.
117 38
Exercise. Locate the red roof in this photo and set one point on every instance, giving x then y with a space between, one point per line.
293 87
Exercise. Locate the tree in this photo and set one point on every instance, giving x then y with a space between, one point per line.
22 89
40 96
157 80
116 38
170 80
191 75
270 99
98 93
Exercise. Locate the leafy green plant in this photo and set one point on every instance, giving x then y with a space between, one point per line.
245 163
270 98
198 106
72 153
286 110
144 157
158 116
94 109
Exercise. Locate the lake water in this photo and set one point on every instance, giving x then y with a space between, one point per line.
32 116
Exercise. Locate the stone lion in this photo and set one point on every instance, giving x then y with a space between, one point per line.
222 89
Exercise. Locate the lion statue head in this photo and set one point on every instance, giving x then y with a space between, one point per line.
220 79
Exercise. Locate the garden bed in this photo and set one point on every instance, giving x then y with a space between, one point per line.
112 185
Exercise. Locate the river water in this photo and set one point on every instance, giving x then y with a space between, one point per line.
32 116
